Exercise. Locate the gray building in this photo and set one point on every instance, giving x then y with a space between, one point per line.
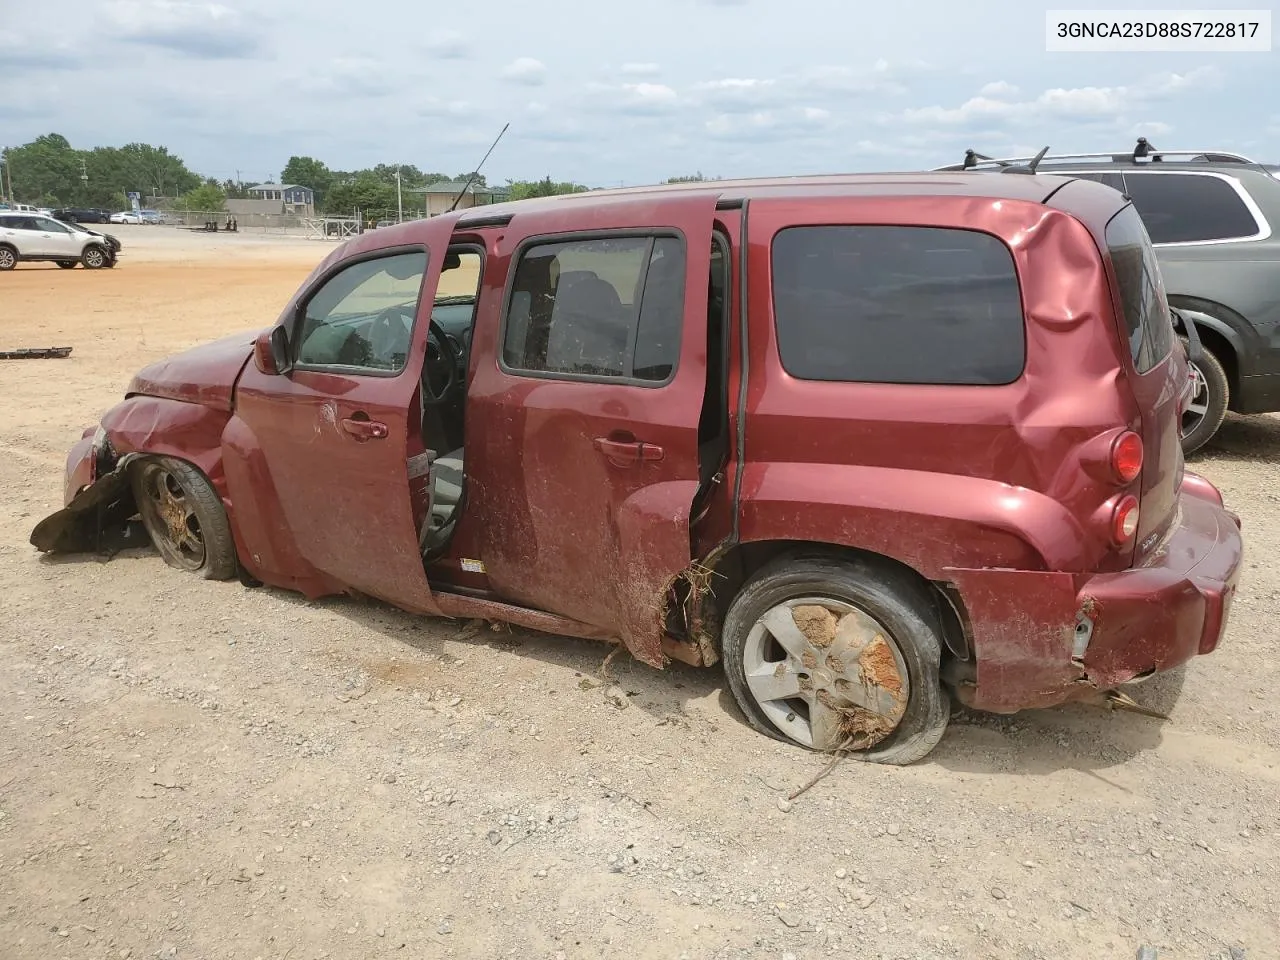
293 198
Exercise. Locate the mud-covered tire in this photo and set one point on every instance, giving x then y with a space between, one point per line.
1213 394
893 598
8 257
67 264
188 526
94 257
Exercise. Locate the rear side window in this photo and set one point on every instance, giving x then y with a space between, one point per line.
888 304
1183 207
601 307
1146 312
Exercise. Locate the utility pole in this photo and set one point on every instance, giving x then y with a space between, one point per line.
8 173
399 201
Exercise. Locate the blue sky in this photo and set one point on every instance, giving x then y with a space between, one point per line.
608 93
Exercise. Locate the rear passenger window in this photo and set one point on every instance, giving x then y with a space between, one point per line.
1146 312
883 304
1182 207
604 307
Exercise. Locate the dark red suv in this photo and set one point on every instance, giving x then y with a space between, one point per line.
858 438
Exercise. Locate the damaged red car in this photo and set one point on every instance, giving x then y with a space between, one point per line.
861 440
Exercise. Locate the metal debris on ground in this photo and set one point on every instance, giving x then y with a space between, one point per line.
36 353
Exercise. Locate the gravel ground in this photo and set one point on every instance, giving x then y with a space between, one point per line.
200 770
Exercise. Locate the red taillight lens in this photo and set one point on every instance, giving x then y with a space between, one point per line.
1124 522
1126 456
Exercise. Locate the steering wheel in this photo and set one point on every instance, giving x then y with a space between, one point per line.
389 334
440 357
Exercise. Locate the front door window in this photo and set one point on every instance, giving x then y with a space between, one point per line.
363 317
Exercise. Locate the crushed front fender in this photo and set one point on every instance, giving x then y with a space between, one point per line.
101 518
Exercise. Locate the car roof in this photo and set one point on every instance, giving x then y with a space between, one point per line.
1031 188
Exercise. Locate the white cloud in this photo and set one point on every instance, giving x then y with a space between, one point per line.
345 77
997 89
525 70
202 30
1081 104
1150 128
640 69
448 45
796 123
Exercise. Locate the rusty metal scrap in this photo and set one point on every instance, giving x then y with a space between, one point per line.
36 353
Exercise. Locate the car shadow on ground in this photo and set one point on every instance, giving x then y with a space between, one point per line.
1242 440
659 693
1082 737
1085 737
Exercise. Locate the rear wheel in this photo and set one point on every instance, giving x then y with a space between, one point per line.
94 257
67 264
838 655
1211 393
8 258
184 517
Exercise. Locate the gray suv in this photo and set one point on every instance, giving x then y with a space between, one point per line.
1212 217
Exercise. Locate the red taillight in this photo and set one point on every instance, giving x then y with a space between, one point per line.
1126 456
1124 521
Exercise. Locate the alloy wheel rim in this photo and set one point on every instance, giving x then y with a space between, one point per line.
826 674
174 518
1198 407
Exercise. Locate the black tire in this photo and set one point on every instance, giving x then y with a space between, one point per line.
8 257
191 506
907 619
67 264
1200 427
94 257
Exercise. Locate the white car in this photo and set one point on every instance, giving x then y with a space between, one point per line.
125 216
31 237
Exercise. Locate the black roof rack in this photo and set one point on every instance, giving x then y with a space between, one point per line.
1143 152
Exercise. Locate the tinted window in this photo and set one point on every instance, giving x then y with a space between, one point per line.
897 305
604 307
1146 312
1113 180
363 316
1180 207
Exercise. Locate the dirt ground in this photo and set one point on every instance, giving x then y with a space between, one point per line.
201 770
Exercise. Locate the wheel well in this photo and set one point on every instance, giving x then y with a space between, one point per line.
732 570
1215 342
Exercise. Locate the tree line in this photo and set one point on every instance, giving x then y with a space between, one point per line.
48 171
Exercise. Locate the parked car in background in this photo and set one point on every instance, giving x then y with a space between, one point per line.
82 215
26 237
126 216
823 431
1213 218
151 216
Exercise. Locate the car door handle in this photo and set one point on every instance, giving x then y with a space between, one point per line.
365 429
628 451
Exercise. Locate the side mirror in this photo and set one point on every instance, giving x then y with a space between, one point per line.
271 352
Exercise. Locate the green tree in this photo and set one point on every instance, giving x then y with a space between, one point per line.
546 187
363 191
206 198
308 172
691 178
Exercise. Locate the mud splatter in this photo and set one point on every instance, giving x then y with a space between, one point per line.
818 624
879 667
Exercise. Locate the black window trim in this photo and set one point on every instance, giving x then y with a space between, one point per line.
1260 221
912 385
577 236
1128 347
300 310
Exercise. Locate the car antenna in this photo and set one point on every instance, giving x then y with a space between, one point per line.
476 172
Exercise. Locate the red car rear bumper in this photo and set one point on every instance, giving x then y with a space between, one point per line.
1046 638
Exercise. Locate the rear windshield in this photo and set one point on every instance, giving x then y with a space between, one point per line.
1146 312
889 304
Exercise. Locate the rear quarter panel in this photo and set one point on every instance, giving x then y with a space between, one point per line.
943 476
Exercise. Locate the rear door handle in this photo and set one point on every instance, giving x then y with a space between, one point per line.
628 451
365 429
